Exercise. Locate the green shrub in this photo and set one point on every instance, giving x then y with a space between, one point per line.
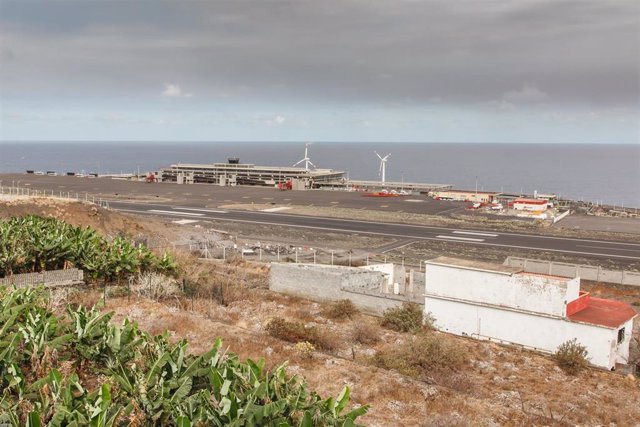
407 318
571 357
422 354
340 310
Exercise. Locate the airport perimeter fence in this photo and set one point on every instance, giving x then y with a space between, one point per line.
586 272
290 253
22 192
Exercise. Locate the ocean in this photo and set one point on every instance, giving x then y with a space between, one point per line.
606 173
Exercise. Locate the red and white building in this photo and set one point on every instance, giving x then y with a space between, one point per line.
537 205
537 311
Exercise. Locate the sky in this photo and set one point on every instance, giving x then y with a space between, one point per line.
308 70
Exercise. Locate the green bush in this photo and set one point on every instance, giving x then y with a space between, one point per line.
340 310
407 318
420 355
571 357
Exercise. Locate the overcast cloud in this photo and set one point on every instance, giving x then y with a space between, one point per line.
322 70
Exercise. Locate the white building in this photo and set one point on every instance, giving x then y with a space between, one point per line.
505 304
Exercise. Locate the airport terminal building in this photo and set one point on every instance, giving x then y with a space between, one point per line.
235 173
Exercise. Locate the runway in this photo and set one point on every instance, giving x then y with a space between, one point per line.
405 233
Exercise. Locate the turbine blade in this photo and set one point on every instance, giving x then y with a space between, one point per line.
297 163
312 164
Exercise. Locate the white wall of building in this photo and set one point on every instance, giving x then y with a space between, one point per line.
522 291
529 207
544 333
622 348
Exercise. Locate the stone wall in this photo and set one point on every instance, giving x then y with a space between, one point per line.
52 278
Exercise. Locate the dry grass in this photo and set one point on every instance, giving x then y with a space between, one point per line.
155 286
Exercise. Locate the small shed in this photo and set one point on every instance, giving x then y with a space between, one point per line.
538 205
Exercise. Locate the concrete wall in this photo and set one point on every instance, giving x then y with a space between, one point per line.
562 216
330 283
521 291
543 333
586 272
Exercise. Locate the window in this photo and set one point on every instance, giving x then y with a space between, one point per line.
620 335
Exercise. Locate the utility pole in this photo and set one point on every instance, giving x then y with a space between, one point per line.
476 189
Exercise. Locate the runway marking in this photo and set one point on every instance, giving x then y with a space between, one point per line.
201 210
278 209
174 212
342 230
384 206
184 221
466 239
414 200
603 247
473 233
267 198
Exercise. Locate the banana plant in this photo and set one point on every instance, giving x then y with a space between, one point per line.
142 379
33 243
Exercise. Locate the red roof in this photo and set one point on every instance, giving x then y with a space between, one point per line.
531 201
605 312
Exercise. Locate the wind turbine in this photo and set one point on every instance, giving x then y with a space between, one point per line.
383 165
306 159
